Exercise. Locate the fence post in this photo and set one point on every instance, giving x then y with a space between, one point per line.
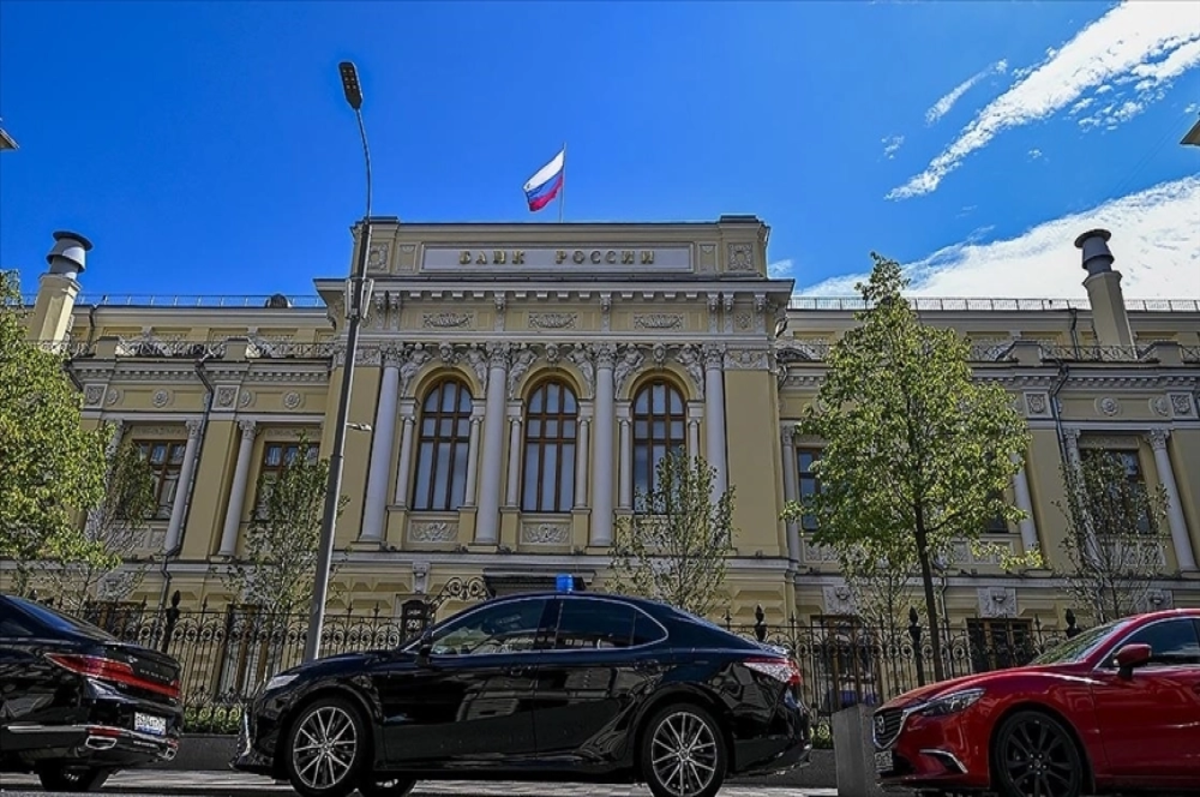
172 619
1072 629
760 623
914 631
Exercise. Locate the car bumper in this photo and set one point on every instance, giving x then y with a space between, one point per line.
936 752
96 745
787 743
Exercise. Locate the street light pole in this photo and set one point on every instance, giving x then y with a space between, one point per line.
356 301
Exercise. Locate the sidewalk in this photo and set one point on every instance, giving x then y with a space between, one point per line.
231 784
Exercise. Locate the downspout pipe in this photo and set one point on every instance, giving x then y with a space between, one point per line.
210 394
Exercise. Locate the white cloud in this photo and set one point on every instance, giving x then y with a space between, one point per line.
943 106
780 270
1156 241
1035 153
891 145
1144 40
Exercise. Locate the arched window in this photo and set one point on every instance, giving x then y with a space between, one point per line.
551 421
658 427
440 483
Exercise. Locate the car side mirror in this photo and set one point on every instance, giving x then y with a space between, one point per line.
1130 657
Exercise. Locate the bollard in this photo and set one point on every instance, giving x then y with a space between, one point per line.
854 753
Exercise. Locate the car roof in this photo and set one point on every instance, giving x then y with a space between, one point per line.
644 603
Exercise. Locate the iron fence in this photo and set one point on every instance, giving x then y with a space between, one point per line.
226 654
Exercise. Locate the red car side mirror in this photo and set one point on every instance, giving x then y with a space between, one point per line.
1132 656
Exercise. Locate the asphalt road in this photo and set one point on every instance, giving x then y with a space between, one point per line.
222 784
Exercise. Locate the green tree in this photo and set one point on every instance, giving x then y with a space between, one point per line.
674 548
276 570
117 529
51 468
1115 539
918 453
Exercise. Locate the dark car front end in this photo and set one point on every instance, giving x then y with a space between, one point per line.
76 697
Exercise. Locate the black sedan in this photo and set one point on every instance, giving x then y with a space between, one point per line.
76 704
550 687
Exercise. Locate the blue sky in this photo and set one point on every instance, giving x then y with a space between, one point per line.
206 148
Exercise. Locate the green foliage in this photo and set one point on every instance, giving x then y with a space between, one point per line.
918 454
1115 539
676 553
280 553
51 469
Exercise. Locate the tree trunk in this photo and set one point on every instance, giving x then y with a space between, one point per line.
931 613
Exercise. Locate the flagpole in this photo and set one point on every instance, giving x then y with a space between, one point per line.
562 194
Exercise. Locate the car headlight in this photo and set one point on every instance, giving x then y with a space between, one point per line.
951 704
278 682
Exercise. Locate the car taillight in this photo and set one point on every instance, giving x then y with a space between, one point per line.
782 670
106 669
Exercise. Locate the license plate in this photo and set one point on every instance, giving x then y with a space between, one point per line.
148 723
883 761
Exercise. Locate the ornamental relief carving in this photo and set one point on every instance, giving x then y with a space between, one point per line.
553 320
448 320
741 257
378 256
1182 405
546 532
93 395
432 531
658 321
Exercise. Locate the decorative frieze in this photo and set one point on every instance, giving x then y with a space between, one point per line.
658 321
448 320
546 532
432 531
747 360
554 321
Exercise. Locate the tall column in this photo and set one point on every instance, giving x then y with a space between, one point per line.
714 405
114 442
625 466
487 524
1075 466
237 491
1029 535
602 499
1166 474
791 488
693 432
404 466
473 459
183 486
1071 440
514 459
581 463
375 509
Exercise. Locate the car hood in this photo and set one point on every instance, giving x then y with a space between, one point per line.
977 680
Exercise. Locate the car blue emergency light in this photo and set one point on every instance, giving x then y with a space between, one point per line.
565 582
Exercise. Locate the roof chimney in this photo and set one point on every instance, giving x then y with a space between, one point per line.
1103 284
68 258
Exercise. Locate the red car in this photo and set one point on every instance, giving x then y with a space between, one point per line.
1116 708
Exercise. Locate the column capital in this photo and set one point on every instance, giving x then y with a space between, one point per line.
606 355
498 352
1158 439
1071 434
249 429
714 356
787 434
194 426
476 419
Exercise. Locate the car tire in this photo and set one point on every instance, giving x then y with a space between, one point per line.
65 778
384 787
1033 747
683 752
327 748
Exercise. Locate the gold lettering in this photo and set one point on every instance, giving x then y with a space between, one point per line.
499 256
597 256
627 256
647 256
518 257
559 256
482 259
610 256
464 257
578 257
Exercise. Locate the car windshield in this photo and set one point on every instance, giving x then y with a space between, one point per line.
1078 648
60 622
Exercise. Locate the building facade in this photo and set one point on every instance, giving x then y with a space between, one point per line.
515 382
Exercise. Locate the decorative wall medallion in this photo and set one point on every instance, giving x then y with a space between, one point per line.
1160 406
553 354
658 321
553 320
433 530
741 257
547 533
1037 404
161 398
226 396
448 320
1108 405
112 396
838 599
378 257
997 602
245 399
93 395
743 320
1182 405
292 400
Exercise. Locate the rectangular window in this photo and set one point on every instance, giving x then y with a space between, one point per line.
996 524
277 456
166 460
809 483
999 643
1134 476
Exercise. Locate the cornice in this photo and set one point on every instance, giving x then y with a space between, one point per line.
151 371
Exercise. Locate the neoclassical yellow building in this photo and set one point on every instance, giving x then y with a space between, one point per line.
516 381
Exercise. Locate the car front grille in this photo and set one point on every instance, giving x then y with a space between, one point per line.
886 726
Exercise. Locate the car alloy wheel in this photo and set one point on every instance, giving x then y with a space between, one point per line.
684 753
325 751
73 778
1036 757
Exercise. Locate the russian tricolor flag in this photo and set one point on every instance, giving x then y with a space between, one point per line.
544 186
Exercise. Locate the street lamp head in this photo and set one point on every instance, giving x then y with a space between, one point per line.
350 84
